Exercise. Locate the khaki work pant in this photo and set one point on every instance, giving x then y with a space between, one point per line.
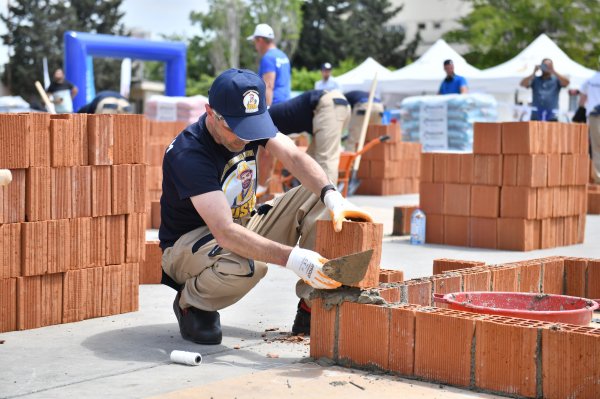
329 121
594 121
356 122
215 282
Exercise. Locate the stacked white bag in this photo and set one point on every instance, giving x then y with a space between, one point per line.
175 109
445 122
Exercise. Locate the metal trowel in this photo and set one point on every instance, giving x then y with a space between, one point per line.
349 269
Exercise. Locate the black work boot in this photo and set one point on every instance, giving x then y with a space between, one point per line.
197 325
302 320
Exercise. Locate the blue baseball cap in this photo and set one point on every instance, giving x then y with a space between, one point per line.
239 96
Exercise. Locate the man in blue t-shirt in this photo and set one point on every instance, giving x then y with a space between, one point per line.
545 90
216 246
274 68
453 83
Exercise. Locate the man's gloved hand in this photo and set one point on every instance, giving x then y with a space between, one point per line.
341 209
308 265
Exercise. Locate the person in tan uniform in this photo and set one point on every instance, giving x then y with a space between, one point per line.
358 100
216 246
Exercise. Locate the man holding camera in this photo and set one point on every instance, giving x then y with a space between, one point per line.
545 90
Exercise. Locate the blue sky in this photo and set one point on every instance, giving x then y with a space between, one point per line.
154 16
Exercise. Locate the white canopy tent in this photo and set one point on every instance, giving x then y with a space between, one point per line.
426 74
505 78
360 77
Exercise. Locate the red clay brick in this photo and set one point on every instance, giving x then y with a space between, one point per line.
426 174
81 233
59 245
135 237
570 364
434 231
518 234
100 139
553 275
39 139
487 170
418 292
443 344
138 181
505 358
358 342
456 230
74 295
8 304
130 284
390 294
115 240
61 202
150 268
453 168
12 198
544 203
440 161
354 237
568 169
466 168
122 200
322 330
505 279
549 228
61 141
447 284
457 198
554 170
487 138
593 279
402 215
385 275
128 136
521 138
582 173
155 211
530 277
485 201
52 296
431 198
15 139
98 242
478 279
82 191
94 292
532 170
38 192
111 290
518 202
101 191
509 170
483 232
10 250
29 302
575 276
34 248
402 340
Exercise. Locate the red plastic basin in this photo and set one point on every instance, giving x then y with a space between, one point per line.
544 307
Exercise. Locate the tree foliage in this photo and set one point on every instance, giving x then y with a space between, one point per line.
35 30
333 31
496 30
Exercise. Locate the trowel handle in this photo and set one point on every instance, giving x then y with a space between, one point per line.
439 298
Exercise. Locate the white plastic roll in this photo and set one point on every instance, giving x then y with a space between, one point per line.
189 358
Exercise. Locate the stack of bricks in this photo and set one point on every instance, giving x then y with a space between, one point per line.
402 219
593 199
523 188
509 356
159 136
391 167
446 265
72 221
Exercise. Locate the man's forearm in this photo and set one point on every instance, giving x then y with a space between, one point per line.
564 81
248 244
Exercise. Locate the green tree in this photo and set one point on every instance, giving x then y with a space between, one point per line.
333 31
496 30
35 30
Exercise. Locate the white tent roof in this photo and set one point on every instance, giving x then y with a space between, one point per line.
507 76
360 77
427 73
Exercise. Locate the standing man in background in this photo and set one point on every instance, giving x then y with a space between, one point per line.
453 83
62 92
590 98
545 90
274 68
328 82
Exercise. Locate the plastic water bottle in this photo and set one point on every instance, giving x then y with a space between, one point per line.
417 227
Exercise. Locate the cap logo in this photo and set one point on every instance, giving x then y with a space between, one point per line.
251 101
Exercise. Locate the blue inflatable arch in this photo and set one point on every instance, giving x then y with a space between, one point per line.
80 47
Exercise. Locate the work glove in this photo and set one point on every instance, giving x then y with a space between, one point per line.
308 265
341 209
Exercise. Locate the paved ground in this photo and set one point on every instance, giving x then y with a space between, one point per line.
128 355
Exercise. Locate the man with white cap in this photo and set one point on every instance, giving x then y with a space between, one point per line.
274 67
216 246
327 82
